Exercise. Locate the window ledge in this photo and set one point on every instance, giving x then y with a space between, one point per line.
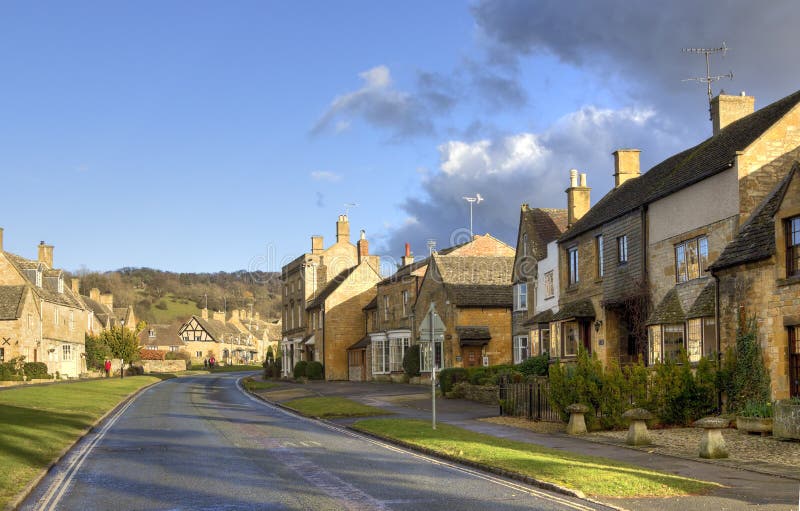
788 281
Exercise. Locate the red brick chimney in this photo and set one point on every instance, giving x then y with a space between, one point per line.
363 246
408 258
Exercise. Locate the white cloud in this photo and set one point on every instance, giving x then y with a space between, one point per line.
324 175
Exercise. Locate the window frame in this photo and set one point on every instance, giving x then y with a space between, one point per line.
622 249
598 245
517 348
521 296
573 265
404 300
792 230
699 245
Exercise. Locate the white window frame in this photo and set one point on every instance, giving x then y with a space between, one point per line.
405 303
66 352
380 356
549 284
522 350
397 351
573 265
622 249
521 296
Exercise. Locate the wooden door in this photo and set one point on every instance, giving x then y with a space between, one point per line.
472 356
794 361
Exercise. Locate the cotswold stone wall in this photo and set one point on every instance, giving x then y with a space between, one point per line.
162 366
486 394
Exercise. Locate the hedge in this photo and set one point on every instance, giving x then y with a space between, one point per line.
314 371
37 370
300 369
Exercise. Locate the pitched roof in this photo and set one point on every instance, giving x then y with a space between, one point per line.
542 317
476 281
103 314
756 238
576 309
681 170
705 304
11 301
473 333
216 328
668 311
163 335
362 343
547 225
49 290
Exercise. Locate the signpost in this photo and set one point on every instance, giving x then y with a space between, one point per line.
431 330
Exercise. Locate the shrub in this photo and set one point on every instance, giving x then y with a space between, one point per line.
300 369
449 377
534 366
411 361
479 375
745 378
754 409
161 305
8 372
314 370
36 370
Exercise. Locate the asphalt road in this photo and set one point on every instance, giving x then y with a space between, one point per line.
200 443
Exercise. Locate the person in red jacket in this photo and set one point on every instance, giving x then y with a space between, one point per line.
107 366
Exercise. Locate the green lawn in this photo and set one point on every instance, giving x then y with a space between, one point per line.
594 476
38 422
253 385
235 368
329 407
175 308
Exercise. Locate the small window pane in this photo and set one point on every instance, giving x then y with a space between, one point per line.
570 335
709 336
673 341
703 254
692 262
680 263
694 340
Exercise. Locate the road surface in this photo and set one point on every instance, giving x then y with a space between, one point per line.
200 443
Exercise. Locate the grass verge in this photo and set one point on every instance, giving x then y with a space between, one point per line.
331 407
252 385
594 476
38 422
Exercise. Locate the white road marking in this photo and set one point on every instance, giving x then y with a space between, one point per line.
458 468
63 480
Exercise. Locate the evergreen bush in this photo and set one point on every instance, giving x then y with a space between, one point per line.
37 370
314 371
534 366
300 369
411 361
744 377
449 377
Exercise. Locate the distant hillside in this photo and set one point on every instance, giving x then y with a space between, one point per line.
162 297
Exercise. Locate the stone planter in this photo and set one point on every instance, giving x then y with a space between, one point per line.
786 420
754 425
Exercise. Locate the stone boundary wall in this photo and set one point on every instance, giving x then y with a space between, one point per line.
786 420
162 366
486 394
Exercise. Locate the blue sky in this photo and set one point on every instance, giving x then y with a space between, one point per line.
206 136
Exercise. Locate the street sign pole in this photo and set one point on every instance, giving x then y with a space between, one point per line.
433 395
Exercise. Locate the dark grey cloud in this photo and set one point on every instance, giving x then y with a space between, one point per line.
639 44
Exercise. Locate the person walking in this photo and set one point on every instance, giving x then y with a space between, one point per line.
107 366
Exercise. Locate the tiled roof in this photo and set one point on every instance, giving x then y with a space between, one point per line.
547 225
473 333
49 290
101 312
362 343
11 301
217 329
668 311
705 304
702 161
476 281
164 335
469 295
542 317
576 309
756 238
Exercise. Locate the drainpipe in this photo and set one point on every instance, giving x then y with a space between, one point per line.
645 277
718 330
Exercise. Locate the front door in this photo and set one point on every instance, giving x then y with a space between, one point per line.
472 356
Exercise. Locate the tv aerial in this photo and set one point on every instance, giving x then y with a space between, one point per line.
708 79
348 206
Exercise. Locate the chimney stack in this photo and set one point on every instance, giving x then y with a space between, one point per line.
726 109
316 244
577 197
235 315
626 165
342 229
46 254
363 246
107 300
76 285
204 313
94 294
219 316
408 258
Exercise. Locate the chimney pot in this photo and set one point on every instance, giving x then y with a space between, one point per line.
408 249
342 229
573 178
583 180
578 202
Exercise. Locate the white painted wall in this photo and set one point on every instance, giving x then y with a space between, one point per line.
545 265
703 203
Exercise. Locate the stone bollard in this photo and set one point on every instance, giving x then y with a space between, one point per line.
637 431
712 445
577 423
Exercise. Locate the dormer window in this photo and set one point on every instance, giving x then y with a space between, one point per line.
61 284
39 277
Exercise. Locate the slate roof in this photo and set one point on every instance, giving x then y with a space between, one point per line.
103 314
546 224
11 301
576 309
362 343
49 290
467 335
681 170
668 311
756 238
165 335
542 317
476 281
705 304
